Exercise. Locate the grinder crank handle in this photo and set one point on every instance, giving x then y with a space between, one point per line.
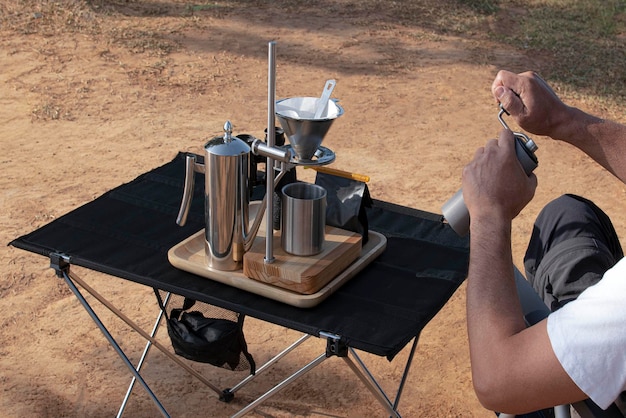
454 210
524 146
522 139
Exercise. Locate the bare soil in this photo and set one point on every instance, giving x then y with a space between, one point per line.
94 94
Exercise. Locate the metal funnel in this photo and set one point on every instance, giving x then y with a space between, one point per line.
297 118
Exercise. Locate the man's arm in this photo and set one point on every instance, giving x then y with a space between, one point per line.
537 109
514 368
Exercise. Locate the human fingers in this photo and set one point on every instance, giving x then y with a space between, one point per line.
514 173
505 79
506 89
529 100
506 140
512 81
490 147
494 183
510 101
482 161
480 151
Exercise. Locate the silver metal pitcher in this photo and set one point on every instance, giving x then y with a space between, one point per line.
226 197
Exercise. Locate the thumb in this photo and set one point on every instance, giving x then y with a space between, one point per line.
509 100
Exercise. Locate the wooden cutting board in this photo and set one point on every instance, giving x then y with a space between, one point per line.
305 275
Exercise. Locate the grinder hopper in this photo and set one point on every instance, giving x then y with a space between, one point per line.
305 132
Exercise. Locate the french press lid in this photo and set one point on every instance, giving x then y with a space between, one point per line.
227 145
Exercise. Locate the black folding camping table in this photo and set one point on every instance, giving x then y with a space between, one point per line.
128 231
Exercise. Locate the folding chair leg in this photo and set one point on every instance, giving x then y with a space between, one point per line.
560 411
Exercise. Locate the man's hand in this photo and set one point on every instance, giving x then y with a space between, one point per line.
531 102
537 109
494 182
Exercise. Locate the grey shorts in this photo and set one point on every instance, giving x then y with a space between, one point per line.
572 245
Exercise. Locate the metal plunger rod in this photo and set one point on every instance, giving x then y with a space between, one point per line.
269 191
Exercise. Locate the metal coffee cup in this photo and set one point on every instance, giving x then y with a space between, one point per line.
303 219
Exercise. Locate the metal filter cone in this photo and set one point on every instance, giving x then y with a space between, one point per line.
305 133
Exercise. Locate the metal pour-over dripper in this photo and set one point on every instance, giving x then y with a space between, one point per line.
305 133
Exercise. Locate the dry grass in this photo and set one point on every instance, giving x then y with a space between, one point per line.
580 44
583 44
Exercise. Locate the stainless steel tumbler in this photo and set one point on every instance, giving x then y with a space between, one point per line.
303 218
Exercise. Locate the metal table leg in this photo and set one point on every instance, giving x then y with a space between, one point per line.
280 386
334 347
143 356
358 367
405 375
113 343
60 263
268 364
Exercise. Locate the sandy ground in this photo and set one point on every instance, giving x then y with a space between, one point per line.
82 113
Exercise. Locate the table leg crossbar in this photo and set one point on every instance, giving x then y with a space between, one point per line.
335 346
62 267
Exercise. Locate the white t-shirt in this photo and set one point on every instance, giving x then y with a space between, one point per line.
588 336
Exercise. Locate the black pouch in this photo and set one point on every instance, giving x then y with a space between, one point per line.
217 341
346 201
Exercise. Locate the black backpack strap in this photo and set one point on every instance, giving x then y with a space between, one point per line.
160 300
244 345
187 304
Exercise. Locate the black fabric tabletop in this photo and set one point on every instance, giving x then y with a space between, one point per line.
128 231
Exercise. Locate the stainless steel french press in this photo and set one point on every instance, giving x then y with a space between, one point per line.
227 196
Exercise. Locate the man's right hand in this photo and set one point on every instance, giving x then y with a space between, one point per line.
538 110
531 102
494 182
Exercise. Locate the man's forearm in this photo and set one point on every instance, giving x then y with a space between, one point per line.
493 309
602 140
